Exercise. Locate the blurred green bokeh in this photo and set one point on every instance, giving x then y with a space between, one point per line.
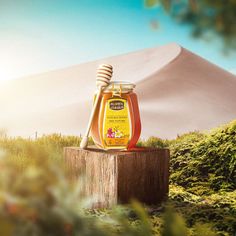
208 19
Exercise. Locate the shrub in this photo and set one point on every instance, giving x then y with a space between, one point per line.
202 162
154 142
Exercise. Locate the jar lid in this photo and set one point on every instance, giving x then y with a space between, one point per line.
119 86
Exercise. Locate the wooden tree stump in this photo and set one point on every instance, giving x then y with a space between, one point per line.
112 177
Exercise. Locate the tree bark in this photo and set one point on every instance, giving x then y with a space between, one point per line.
112 177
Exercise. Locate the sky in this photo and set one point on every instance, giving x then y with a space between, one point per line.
42 35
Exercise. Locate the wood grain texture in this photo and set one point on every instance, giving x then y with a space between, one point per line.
111 177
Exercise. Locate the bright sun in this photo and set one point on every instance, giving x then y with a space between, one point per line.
4 75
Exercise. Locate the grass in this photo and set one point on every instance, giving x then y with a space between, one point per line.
37 199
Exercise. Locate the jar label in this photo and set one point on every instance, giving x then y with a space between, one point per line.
116 126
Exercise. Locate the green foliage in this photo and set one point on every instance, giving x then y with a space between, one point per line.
174 224
151 3
203 178
205 162
154 142
203 229
36 198
40 200
207 18
202 162
216 211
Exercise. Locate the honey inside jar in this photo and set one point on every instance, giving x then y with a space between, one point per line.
116 124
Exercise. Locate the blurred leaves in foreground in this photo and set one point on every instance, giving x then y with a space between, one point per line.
36 197
209 19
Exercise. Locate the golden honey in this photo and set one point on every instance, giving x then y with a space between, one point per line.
116 123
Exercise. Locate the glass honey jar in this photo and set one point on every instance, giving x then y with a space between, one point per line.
116 124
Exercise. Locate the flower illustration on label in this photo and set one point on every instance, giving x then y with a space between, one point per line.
110 133
114 134
118 134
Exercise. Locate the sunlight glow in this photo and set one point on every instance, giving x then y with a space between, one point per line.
4 75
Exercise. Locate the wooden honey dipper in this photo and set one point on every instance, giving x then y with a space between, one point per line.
104 74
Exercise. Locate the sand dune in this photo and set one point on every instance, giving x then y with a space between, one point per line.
178 92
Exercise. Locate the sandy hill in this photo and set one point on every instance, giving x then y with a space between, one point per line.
178 92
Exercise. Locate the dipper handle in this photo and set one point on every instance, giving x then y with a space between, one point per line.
104 74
